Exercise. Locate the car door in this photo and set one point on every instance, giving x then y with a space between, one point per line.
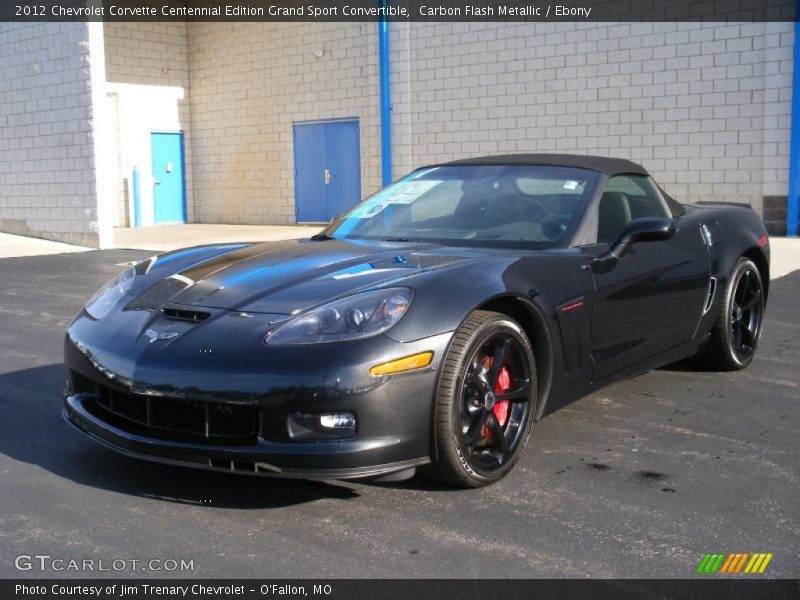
652 299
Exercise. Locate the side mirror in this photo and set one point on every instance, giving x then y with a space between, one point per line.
649 229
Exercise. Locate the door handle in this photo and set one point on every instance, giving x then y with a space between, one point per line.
156 182
328 177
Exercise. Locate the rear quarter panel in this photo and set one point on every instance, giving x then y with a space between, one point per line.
736 230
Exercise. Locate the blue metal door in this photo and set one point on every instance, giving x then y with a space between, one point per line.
168 181
343 161
311 196
327 169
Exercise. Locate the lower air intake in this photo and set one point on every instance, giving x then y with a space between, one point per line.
175 419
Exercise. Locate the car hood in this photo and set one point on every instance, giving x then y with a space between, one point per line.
284 277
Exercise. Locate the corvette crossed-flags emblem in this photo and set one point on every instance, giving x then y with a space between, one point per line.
153 335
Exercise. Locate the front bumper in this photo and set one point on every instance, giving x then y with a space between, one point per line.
394 413
234 459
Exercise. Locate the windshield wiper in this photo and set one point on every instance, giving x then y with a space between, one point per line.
397 239
321 236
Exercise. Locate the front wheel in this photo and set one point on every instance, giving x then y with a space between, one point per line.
485 401
735 335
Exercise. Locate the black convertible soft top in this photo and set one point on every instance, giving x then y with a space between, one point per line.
603 164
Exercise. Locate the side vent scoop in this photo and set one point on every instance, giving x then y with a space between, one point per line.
712 289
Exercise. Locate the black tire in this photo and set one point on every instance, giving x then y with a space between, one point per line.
737 329
476 443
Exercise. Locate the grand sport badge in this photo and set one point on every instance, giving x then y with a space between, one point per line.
153 335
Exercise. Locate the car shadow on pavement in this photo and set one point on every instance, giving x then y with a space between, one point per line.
683 366
33 431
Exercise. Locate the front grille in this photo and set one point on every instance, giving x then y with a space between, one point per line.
224 418
173 418
123 405
172 415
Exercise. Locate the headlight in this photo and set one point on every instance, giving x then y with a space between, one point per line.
357 316
107 296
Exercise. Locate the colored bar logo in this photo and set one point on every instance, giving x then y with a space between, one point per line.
734 563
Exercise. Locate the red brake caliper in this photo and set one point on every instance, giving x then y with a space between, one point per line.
500 408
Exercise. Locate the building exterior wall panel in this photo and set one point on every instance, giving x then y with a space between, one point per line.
47 155
705 107
249 83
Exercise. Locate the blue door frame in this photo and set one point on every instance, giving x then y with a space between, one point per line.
793 198
327 174
169 180
385 82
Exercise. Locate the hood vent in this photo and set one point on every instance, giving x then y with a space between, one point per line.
189 316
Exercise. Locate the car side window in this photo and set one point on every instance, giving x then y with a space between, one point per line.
625 198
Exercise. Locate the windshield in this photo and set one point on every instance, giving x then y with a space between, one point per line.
505 206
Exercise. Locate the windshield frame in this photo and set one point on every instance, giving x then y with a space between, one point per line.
594 183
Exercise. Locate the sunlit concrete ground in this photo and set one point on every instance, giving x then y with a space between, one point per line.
785 251
170 237
18 245
785 256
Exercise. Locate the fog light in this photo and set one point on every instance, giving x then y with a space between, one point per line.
337 421
321 426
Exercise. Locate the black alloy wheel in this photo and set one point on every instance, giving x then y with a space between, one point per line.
734 336
745 315
485 401
495 401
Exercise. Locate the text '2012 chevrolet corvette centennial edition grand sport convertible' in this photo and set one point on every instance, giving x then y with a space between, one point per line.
427 328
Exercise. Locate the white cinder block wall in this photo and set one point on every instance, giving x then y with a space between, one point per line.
249 83
147 73
705 107
47 159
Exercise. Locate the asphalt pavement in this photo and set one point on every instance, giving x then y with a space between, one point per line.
640 479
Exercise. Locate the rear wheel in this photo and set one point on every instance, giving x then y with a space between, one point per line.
735 335
485 401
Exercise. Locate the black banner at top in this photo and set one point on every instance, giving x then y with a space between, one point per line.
400 10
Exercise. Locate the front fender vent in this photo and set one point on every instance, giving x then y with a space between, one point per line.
190 316
712 290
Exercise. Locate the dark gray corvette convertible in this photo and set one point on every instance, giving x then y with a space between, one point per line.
429 327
